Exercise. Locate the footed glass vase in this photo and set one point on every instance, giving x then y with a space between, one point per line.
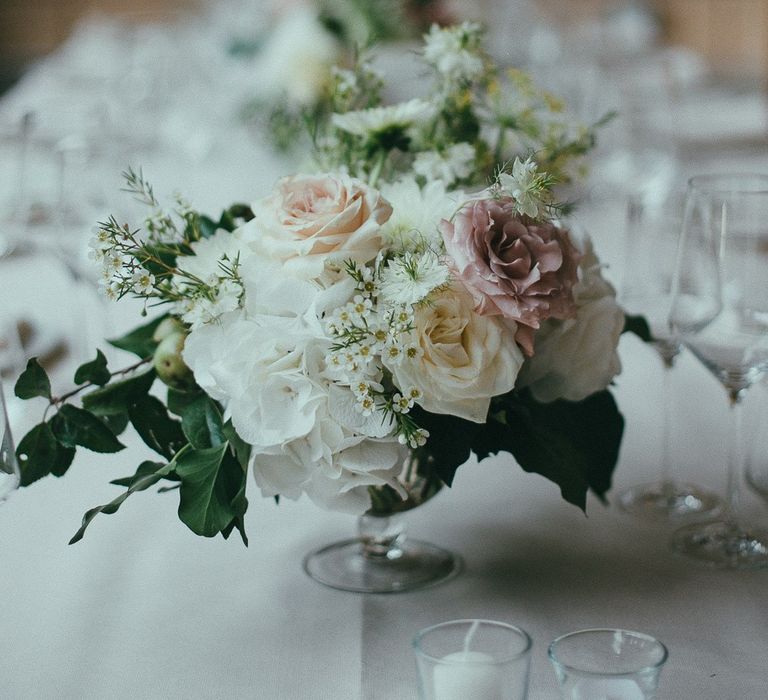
382 558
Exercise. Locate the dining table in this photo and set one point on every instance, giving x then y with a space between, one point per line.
141 608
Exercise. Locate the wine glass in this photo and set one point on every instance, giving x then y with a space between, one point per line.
9 468
654 221
720 312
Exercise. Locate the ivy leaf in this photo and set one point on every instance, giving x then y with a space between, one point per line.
639 326
212 490
202 423
139 341
76 426
179 400
33 382
207 226
155 427
140 484
241 448
574 444
36 453
117 422
448 452
118 397
94 371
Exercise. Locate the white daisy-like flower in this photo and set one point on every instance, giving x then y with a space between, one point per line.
525 186
455 51
416 213
411 278
364 122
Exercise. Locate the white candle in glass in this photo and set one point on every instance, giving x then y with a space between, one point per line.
468 674
607 689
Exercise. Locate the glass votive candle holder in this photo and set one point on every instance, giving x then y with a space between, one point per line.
478 659
607 664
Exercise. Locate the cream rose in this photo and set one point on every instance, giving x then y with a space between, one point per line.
577 357
464 359
313 219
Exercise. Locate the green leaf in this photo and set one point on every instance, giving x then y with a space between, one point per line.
202 424
76 426
116 422
212 490
144 469
179 400
155 427
241 448
574 444
140 484
94 371
36 454
118 397
139 341
446 453
207 226
639 326
33 382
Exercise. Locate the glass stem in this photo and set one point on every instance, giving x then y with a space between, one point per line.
666 428
735 459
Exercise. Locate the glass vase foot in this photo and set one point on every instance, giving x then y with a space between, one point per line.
723 545
668 501
350 566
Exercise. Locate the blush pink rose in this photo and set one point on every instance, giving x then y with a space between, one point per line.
313 219
512 265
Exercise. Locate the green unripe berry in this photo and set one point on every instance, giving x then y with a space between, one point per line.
166 327
170 365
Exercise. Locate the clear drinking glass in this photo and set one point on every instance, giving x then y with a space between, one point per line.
478 659
9 469
607 664
720 312
654 222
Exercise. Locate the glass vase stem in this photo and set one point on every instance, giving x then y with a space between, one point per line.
735 458
666 429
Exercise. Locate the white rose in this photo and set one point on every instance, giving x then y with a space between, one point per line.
297 59
313 219
465 359
577 357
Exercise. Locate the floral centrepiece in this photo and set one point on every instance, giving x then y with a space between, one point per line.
418 294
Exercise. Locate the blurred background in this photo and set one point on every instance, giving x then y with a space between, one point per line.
732 35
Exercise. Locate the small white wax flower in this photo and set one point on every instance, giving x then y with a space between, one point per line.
364 122
143 281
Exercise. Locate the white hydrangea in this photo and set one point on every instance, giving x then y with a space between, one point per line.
306 433
455 51
455 165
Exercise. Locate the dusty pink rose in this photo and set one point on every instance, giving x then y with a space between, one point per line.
513 266
311 219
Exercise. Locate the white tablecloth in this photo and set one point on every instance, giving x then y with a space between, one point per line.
141 608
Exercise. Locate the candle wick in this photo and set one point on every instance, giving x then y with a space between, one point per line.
470 635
